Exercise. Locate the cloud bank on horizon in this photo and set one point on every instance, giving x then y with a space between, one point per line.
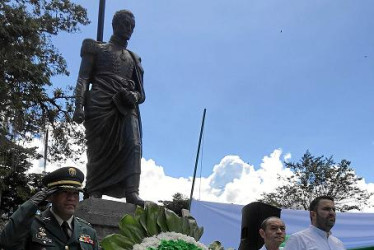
232 180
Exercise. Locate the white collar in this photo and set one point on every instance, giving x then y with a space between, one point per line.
320 231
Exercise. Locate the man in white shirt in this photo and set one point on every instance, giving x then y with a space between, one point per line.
273 231
318 235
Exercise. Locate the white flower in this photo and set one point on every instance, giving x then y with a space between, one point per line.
155 240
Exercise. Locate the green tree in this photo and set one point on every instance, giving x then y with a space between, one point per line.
178 203
16 186
29 103
314 176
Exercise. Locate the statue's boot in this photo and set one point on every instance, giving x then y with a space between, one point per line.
132 190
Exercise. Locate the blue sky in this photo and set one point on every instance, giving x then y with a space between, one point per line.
291 75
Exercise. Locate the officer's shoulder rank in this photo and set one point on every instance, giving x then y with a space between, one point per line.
83 221
42 219
46 219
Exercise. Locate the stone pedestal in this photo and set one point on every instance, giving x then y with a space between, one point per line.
104 215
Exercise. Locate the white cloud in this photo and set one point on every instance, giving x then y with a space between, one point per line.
231 181
246 184
370 187
155 185
287 157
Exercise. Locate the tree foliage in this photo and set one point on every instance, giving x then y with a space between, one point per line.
29 103
178 203
314 176
15 185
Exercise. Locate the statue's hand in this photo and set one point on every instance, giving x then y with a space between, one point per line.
78 116
132 97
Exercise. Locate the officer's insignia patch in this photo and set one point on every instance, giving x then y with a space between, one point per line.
46 218
72 172
86 239
41 235
41 232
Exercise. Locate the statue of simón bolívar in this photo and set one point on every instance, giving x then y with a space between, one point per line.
110 112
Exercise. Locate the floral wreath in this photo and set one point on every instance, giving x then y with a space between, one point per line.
157 228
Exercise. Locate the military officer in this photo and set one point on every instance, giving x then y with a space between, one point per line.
56 227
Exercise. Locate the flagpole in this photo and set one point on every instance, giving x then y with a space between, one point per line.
100 22
45 149
197 159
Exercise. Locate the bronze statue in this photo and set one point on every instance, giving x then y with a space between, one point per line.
108 92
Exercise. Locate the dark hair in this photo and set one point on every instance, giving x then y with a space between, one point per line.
314 204
122 16
264 223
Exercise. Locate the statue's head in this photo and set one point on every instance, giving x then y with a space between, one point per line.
123 24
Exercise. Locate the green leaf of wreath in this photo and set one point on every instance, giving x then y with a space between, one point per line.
161 221
116 242
131 228
173 221
151 212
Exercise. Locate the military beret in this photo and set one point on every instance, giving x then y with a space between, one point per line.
66 178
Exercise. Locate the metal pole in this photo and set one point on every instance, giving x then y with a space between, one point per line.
45 148
100 22
197 160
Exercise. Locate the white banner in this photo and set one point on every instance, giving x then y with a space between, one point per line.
223 222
